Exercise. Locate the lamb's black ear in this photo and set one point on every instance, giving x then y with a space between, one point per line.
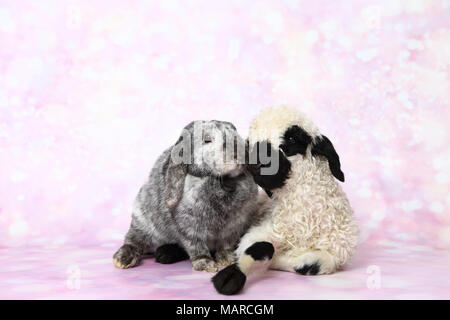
324 147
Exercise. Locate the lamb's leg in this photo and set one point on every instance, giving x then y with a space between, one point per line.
308 263
251 249
232 279
130 253
318 260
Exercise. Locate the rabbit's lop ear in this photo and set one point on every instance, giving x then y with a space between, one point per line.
324 147
176 174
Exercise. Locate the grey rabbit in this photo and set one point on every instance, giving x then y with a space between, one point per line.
195 207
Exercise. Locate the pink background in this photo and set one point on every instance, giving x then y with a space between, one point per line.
92 92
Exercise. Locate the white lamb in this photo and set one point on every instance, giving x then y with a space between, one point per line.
307 226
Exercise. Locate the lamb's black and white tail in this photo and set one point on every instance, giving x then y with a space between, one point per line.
232 279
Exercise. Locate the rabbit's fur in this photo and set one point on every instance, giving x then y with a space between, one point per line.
193 207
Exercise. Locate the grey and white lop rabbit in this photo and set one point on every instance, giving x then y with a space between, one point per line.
196 203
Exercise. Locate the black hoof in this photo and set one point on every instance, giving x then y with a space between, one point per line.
309 269
170 253
230 280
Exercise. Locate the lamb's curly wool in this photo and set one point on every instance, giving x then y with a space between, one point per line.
308 221
312 212
273 121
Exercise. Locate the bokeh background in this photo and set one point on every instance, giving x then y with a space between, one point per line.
91 92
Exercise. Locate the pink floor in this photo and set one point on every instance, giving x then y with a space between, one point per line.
91 92
393 271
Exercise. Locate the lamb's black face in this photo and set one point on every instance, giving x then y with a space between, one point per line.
262 152
295 141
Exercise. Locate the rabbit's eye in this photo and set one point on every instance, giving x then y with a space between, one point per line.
207 138
291 140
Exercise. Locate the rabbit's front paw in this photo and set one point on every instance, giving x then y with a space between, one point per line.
127 256
204 264
224 257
